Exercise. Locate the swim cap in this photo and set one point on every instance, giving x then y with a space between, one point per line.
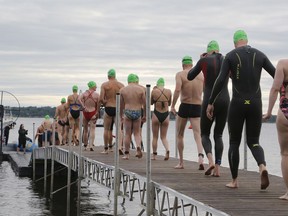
160 82
187 60
111 73
63 100
137 78
212 46
47 117
75 88
132 78
240 35
92 84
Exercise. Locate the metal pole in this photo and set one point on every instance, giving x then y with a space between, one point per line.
69 173
176 144
149 199
80 168
52 159
245 148
33 133
45 162
34 163
116 162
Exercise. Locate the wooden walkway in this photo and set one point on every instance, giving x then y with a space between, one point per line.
248 199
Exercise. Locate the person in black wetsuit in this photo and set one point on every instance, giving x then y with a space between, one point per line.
22 138
210 64
161 98
6 133
244 65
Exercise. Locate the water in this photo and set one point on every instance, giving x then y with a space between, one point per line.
25 197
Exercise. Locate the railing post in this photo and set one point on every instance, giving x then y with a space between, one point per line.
176 135
116 162
149 198
69 172
80 166
52 159
34 163
45 162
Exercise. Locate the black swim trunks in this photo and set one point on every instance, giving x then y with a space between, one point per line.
189 110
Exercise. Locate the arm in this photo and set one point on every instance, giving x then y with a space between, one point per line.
278 80
194 71
176 92
102 95
268 66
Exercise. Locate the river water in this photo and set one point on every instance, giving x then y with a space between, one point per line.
22 196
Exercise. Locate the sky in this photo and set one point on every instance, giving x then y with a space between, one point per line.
47 46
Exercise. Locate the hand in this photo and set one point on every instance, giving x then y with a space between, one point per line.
209 111
266 116
173 110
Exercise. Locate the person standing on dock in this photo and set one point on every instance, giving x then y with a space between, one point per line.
61 116
161 98
74 106
39 135
210 64
47 128
22 132
108 92
190 93
132 99
243 65
280 86
90 101
6 133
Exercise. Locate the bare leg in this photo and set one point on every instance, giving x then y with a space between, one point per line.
233 184
211 164
195 122
181 124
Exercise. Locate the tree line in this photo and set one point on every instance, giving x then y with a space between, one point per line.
36 112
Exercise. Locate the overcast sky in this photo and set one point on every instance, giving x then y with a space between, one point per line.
47 46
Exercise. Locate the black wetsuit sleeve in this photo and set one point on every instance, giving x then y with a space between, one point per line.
220 81
194 71
269 67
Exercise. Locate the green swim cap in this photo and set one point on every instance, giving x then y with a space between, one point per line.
63 100
92 84
137 78
240 35
160 82
74 88
47 117
111 73
212 46
187 60
132 78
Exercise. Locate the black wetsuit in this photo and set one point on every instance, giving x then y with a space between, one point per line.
22 137
244 65
210 66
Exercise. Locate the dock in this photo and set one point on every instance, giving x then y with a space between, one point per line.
190 182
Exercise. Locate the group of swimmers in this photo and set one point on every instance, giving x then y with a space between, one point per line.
243 65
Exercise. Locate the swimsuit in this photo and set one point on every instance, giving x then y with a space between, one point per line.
132 114
110 111
63 123
75 113
88 115
283 100
189 110
161 116
162 102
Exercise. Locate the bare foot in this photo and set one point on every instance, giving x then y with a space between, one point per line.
121 152
153 157
284 197
139 153
110 150
233 184
167 155
104 152
179 166
264 180
216 171
209 170
125 157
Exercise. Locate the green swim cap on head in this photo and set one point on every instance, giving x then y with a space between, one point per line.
63 100
160 82
240 35
111 73
212 46
74 88
92 84
47 117
187 60
132 78
137 78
